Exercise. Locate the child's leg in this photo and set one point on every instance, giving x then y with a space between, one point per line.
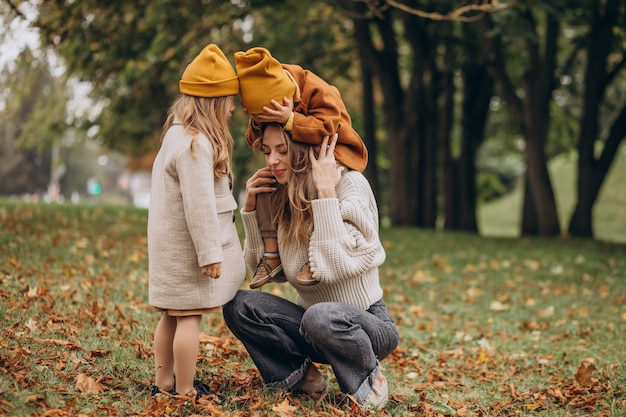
186 346
270 265
271 245
163 353
266 225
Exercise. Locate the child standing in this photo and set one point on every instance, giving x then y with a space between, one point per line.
195 257
309 109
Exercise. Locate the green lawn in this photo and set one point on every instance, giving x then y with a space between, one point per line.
489 326
502 217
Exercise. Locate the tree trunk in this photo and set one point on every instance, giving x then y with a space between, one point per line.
530 225
369 129
421 111
539 193
592 171
591 175
401 112
478 89
430 157
383 64
531 114
451 178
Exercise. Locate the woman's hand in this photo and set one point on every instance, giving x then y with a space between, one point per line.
279 114
261 182
326 173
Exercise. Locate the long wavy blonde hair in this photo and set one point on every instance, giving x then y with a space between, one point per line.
207 116
292 201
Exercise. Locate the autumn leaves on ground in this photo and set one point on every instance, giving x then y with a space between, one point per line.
490 327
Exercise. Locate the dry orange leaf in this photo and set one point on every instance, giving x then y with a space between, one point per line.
584 373
86 383
34 398
532 406
284 409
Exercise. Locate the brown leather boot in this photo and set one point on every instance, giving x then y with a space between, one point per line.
305 276
267 269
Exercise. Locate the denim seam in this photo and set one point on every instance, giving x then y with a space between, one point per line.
293 378
366 386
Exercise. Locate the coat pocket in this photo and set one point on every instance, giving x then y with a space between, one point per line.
228 231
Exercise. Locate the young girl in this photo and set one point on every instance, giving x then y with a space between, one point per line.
326 213
195 257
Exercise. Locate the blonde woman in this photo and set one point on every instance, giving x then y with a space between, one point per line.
326 214
195 257
308 108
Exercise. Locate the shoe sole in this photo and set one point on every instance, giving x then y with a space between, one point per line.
261 282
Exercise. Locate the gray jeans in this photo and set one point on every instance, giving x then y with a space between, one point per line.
283 339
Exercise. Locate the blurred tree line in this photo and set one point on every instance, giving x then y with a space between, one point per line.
454 99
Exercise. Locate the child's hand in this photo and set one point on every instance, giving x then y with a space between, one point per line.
213 270
279 114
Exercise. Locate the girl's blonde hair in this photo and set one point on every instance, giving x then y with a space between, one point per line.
292 201
207 116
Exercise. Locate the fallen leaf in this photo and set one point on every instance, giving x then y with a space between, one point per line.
531 264
32 292
443 409
31 324
546 312
532 406
584 373
99 353
87 384
284 409
498 306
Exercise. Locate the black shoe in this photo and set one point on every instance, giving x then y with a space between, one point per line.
157 392
203 390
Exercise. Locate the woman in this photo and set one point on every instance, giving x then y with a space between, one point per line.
327 216
312 109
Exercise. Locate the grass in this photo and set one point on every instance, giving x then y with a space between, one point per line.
490 326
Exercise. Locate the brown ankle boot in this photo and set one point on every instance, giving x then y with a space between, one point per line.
305 276
267 269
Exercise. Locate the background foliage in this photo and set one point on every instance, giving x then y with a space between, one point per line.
439 90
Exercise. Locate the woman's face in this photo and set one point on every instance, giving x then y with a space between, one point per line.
276 153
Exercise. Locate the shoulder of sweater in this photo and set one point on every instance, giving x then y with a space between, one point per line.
353 182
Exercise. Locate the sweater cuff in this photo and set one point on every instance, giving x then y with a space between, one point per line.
251 229
327 220
289 125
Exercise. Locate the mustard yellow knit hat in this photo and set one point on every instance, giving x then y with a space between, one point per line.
261 79
210 75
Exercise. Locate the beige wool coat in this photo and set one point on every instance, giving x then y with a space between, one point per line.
191 224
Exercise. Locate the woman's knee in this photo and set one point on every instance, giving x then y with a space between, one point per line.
317 319
248 305
234 308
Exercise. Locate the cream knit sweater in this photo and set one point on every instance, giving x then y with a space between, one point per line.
344 251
